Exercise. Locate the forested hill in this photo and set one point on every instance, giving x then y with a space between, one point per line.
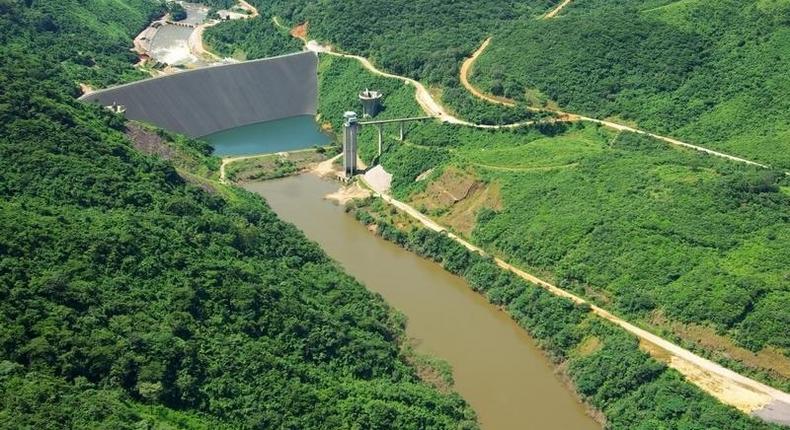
710 72
424 39
132 298
89 41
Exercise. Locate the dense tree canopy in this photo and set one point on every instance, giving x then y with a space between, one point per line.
712 74
608 369
643 228
709 72
177 11
249 39
131 297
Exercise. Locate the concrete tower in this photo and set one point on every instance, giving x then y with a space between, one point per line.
350 127
371 102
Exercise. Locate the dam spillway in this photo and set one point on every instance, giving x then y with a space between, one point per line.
204 101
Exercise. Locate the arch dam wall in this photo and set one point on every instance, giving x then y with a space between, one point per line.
203 101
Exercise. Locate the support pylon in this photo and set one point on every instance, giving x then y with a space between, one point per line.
380 139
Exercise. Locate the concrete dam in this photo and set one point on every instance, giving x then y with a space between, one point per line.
204 101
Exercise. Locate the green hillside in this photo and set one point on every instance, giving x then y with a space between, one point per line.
430 48
713 73
89 41
662 235
624 384
249 39
135 293
710 73
605 365
653 232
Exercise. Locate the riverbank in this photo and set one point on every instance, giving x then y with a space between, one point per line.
731 380
717 381
496 366
708 387
261 167
429 239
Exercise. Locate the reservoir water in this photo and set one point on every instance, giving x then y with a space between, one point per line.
288 134
497 367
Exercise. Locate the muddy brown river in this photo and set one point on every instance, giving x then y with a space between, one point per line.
497 367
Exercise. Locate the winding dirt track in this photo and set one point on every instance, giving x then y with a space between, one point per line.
225 161
466 68
195 41
424 98
556 10
570 117
731 388
253 11
323 168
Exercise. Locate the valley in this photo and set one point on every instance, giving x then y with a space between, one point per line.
592 232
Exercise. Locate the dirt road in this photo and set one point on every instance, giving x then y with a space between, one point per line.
750 396
424 98
466 67
556 10
729 387
246 6
323 168
195 41
433 108
326 167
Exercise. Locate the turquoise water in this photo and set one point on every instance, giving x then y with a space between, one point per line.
288 134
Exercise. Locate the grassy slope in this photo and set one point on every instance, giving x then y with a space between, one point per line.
687 234
711 73
708 73
642 227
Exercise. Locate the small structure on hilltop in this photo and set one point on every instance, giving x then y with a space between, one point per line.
371 102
